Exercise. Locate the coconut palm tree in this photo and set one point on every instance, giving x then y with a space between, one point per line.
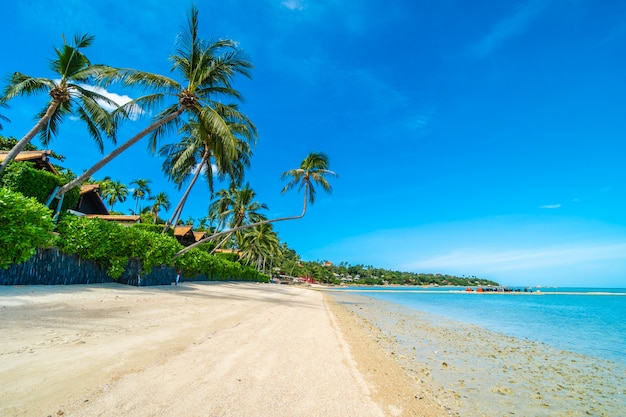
70 94
312 171
161 201
200 146
113 191
259 244
141 191
237 207
207 71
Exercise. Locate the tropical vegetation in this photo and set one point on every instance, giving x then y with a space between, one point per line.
212 138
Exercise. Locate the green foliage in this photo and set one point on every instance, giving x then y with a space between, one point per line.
26 225
229 256
368 275
111 245
199 262
154 228
6 144
24 178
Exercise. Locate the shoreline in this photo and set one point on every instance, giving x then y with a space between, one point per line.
477 372
219 349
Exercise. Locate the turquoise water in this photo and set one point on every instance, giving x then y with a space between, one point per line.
589 321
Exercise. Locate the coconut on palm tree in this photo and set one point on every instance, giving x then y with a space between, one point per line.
70 94
311 173
141 191
207 71
200 147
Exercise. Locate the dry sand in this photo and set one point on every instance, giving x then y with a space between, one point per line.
202 349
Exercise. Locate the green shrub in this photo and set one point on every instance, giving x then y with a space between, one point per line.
198 262
24 178
154 228
26 225
110 245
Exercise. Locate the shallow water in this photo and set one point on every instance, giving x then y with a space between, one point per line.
583 320
475 371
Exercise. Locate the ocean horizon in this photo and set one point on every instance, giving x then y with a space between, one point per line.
549 351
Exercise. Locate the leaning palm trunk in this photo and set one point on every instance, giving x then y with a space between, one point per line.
246 226
116 152
228 235
179 208
30 135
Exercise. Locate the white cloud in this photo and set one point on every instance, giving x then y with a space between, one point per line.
550 206
134 112
293 4
508 27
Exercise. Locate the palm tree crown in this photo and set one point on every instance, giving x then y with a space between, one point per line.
70 94
207 70
200 146
161 201
113 191
312 171
141 190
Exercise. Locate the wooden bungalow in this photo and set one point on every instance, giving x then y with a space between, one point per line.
184 235
40 158
198 236
90 201
91 205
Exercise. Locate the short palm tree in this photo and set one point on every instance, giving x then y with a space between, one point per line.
207 71
259 244
312 171
141 191
70 94
161 202
236 207
200 146
113 191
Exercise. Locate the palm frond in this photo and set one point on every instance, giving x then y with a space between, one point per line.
52 126
22 85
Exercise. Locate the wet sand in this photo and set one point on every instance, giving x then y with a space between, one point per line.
202 349
476 372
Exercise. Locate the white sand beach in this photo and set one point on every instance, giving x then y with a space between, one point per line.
201 349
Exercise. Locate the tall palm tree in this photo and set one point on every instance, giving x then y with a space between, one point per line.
313 170
161 201
207 71
113 191
141 191
200 146
70 95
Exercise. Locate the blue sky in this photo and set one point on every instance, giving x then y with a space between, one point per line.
473 138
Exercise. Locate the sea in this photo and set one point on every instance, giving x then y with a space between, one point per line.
524 351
